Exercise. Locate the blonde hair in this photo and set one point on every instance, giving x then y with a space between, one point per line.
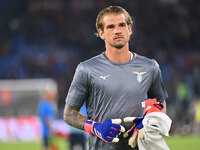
111 10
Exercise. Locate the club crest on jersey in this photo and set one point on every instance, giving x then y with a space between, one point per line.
139 75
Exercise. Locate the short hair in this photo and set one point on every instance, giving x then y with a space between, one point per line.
112 10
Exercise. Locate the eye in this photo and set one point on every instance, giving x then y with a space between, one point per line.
122 24
110 26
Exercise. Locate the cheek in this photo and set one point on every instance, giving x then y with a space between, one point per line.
128 33
108 36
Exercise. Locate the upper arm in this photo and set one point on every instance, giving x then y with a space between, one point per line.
78 90
157 89
76 96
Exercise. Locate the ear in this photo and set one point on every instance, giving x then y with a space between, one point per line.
130 28
101 34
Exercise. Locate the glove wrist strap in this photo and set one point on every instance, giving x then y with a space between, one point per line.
88 126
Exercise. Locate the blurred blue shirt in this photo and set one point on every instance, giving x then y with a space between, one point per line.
46 110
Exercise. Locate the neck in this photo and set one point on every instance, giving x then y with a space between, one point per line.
118 55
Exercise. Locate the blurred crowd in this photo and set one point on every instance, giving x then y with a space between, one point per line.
48 39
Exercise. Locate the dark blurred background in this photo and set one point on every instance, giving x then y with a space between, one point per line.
48 38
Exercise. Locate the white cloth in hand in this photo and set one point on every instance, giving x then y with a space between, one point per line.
156 125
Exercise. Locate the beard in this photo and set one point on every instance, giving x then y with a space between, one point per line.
119 45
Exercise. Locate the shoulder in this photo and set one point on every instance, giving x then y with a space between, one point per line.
91 62
85 68
147 62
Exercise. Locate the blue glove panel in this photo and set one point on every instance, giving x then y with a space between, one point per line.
137 124
106 131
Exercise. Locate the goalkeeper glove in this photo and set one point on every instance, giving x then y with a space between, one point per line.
107 131
133 132
151 105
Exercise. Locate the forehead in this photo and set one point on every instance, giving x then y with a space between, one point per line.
113 19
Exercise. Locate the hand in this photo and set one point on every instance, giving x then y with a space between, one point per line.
107 131
152 105
133 132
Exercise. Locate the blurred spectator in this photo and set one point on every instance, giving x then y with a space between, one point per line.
182 105
47 113
196 126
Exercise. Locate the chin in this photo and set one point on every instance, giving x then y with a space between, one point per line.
119 46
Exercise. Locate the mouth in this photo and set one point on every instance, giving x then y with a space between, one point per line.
118 38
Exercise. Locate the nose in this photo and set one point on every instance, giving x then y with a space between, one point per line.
117 30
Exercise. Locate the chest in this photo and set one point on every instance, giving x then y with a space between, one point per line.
116 79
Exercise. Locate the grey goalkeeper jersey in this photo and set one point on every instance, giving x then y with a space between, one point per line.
115 90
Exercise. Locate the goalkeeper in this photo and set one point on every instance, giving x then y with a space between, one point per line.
113 84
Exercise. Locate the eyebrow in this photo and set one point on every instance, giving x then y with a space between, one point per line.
112 25
122 23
